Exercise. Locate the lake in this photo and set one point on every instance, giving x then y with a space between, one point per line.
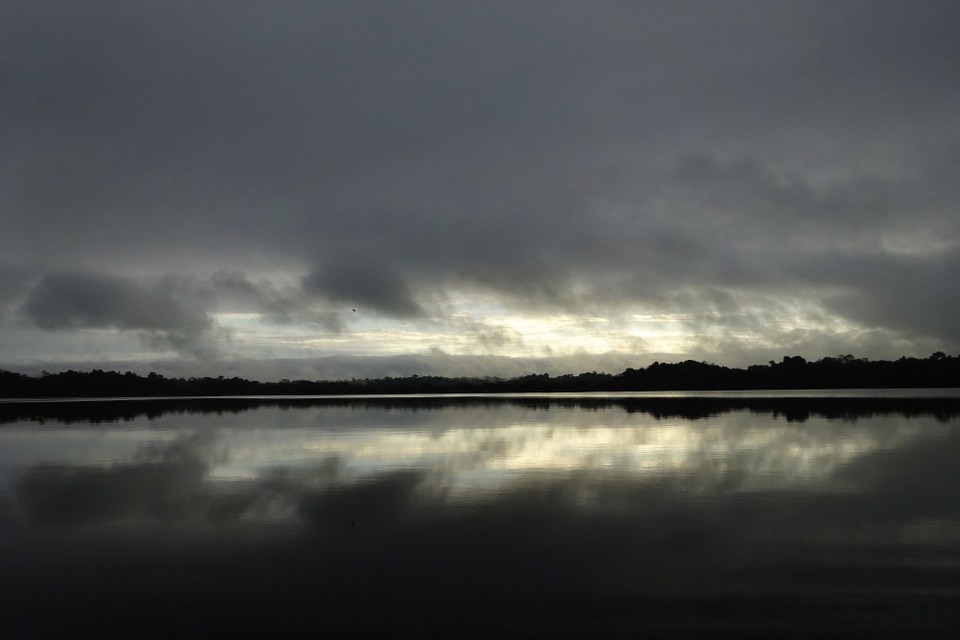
686 515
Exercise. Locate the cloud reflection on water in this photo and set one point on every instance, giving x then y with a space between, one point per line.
257 470
562 520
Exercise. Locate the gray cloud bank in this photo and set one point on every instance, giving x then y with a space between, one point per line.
68 301
162 163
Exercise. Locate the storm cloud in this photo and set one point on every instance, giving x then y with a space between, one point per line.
367 285
162 312
754 171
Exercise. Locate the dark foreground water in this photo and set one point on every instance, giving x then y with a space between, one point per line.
592 516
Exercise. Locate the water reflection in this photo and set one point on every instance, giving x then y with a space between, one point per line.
499 513
737 452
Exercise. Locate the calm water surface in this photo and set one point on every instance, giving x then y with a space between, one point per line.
600 515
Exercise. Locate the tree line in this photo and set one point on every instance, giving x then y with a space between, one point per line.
792 372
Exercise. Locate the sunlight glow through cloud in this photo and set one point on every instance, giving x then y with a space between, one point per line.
488 329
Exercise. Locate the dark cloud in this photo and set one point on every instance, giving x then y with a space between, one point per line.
166 312
364 284
554 157
235 291
15 280
914 294
172 312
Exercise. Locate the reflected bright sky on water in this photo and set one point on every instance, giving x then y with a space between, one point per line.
488 512
468 452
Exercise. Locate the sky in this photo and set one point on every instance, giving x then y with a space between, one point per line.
359 189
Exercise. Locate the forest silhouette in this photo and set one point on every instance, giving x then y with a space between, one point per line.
792 372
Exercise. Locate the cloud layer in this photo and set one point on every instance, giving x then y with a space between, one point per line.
753 170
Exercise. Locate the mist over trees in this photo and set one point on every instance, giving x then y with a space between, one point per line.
792 372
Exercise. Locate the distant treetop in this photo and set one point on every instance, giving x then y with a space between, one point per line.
792 372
